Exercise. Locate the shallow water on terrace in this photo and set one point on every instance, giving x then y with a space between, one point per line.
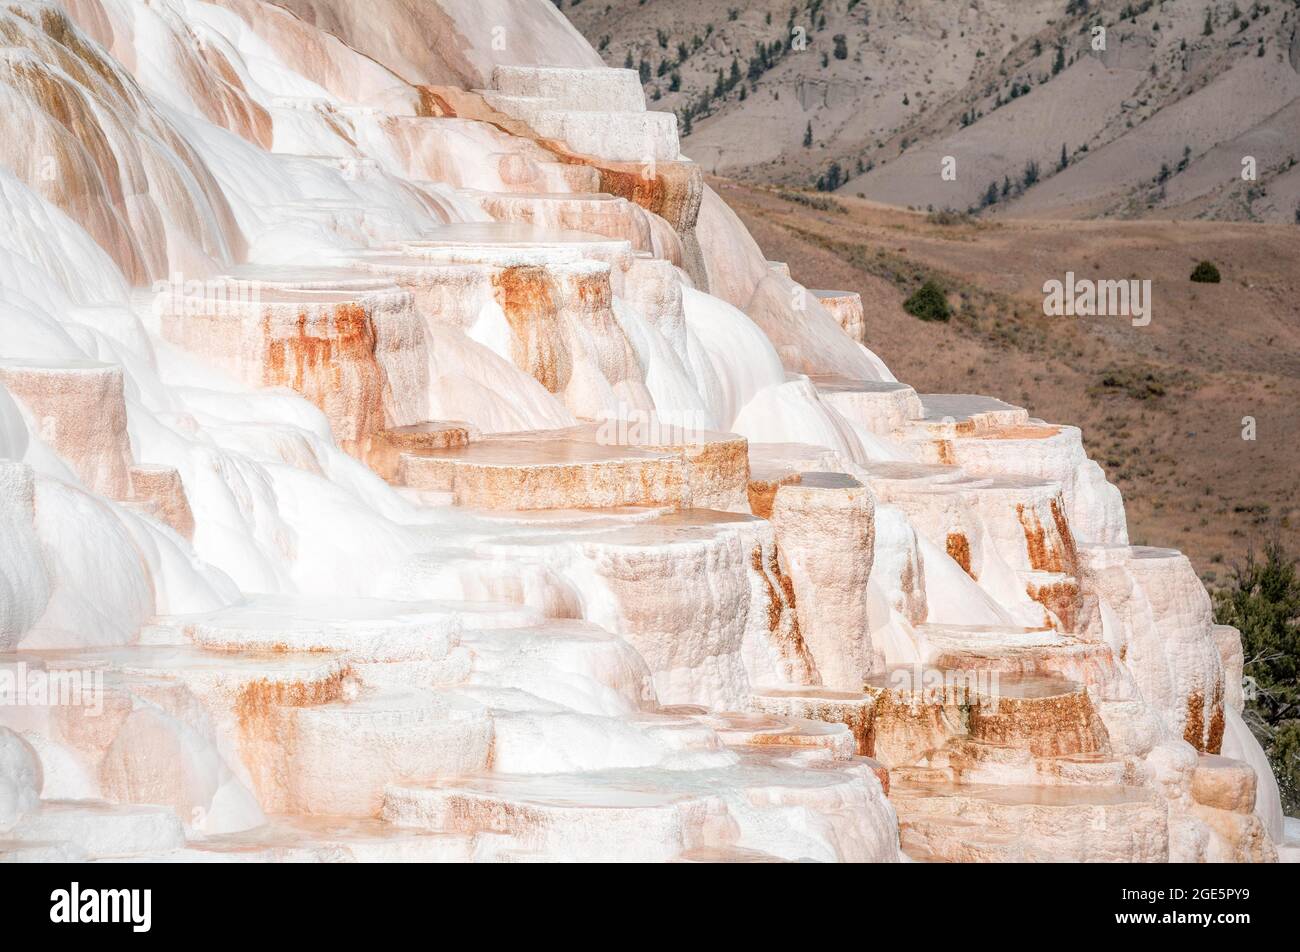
525 452
1063 795
905 677
812 693
828 481
307 279
835 383
960 406
505 233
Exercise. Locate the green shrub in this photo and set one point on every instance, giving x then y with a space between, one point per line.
949 216
929 303
1263 603
1206 273
819 202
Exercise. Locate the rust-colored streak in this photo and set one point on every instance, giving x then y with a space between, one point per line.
332 363
672 190
258 699
1021 432
762 496
1049 552
786 583
775 609
527 297
228 103
959 551
266 736
1069 555
1203 728
432 105
945 452
1035 539
782 621
1194 726
1214 740
1047 727
1061 599
762 492
650 192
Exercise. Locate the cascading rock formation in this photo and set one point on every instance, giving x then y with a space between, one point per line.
404 455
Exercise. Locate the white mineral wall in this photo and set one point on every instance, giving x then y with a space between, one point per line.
173 153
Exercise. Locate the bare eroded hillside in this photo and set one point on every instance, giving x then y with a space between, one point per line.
1119 109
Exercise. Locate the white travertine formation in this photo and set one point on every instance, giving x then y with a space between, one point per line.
405 456
78 409
825 528
24 585
595 112
845 307
20 780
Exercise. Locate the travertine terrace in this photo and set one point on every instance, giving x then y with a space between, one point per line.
404 455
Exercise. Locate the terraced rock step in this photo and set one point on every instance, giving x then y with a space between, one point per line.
624 136
1010 533
78 408
965 414
241 698
383 736
600 90
1224 791
599 214
878 406
545 300
743 730
500 242
645 815
1007 650
160 491
567 662
773 465
322 839
372 630
1048 716
845 307
922 709
979 823
94 829
854 710
351 345
825 528
691 590
383 642
1170 629
250 679
633 640
388 446
576 469
526 173
1224 783
969 761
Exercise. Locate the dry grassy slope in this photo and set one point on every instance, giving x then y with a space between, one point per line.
1160 87
1161 407
852 103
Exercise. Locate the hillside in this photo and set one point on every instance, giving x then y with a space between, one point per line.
1156 124
1161 406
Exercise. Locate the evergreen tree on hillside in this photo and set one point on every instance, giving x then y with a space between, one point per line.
1263 603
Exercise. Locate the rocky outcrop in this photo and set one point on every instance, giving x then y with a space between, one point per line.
473 488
